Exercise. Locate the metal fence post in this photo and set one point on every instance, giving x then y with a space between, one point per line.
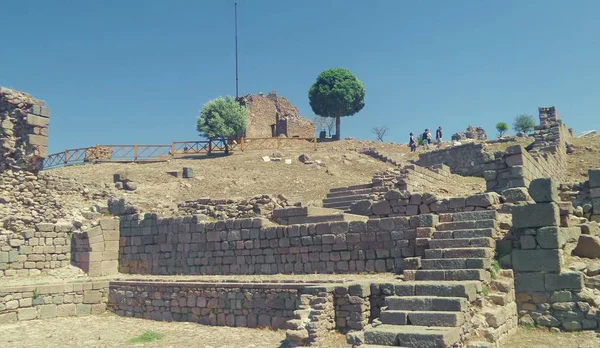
135 152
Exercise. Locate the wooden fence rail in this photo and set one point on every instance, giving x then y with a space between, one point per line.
177 149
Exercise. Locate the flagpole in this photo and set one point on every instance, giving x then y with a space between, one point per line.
236 56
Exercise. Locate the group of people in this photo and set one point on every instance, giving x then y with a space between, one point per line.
427 139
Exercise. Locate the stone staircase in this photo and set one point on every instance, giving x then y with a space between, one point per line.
312 215
343 197
415 178
434 306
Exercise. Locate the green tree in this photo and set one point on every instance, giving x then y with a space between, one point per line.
524 123
501 127
222 118
337 93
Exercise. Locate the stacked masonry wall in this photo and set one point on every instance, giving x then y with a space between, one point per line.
468 159
250 246
547 294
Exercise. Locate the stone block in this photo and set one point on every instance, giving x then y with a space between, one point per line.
48 311
588 246
564 281
528 242
536 215
544 190
109 224
83 309
38 121
92 296
537 260
529 282
550 237
39 140
381 208
594 177
27 313
66 310
515 195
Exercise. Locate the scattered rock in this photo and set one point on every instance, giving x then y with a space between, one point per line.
266 159
130 186
588 246
304 158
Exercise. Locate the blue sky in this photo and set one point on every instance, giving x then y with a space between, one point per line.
126 72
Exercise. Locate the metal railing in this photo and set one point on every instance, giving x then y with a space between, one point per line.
177 149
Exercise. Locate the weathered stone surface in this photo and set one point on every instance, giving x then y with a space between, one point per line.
515 195
594 175
381 208
362 208
536 215
528 242
547 321
588 246
544 190
537 260
529 282
550 237
564 281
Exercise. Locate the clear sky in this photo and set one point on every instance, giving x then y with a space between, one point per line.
138 71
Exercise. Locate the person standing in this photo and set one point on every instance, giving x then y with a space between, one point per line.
412 142
438 137
427 138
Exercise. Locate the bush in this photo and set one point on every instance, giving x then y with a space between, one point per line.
524 124
222 118
501 127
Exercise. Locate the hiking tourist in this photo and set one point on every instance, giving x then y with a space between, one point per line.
412 142
438 137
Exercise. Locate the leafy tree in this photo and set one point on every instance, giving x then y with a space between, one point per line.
501 127
380 132
222 118
524 123
337 93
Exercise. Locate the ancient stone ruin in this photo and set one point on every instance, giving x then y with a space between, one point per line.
274 116
421 269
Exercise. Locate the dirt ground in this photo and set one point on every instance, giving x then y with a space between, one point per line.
586 155
244 174
109 330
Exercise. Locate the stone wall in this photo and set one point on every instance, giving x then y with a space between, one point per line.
245 305
547 294
23 131
264 111
257 206
468 159
46 246
96 251
46 301
594 181
516 167
403 203
153 245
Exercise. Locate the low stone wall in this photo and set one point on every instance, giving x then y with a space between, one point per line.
468 159
260 205
403 203
245 305
594 181
515 167
45 301
155 245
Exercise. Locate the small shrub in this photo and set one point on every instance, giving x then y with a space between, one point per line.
495 271
485 291
528 326
501 127
524 124
148 336
36 294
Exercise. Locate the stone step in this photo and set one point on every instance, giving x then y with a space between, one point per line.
377 346
422 318
465 225
296 220
346 198
475 215
344 206
458 263
469 233
454 253
483 242
447 274
350 188
412 336
426 303
303 211
466 288
348 193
